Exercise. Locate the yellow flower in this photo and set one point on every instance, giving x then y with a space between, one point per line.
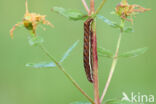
30 21
124 10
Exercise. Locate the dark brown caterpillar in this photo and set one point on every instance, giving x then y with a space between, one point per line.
87 52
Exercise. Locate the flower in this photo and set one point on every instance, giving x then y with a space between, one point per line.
124 10
30 21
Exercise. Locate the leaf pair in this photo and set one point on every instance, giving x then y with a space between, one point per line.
107 53
77 15
52 64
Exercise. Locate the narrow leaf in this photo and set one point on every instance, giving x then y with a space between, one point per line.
70 14
52 64
34 41
117 101
68 51
104 52
133 53
41 65
107 21
128 29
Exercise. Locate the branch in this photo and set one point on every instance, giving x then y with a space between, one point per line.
92 8
115 59
86 6
100 7
66 74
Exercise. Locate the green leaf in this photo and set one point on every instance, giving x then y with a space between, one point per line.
133 53
52 64
41 65
70 14
104 52
107 21
128 29
80 103
34 41
69 51
117 101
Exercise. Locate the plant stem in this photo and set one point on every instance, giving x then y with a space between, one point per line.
66 74
95 64
86 6
92 8
94 54
100 7
115 59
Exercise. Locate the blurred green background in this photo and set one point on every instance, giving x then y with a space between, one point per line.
22 85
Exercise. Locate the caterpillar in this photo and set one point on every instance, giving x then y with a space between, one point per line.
87 51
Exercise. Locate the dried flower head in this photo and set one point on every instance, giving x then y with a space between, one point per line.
124 10
30 21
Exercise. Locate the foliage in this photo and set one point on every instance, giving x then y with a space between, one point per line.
105 52
108 22
117 101
133 53
70 13
123 10
34 41
52 64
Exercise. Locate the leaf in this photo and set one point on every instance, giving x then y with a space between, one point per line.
80 103
52 64
104 52
34 41
107 21
128 29
117 101
113 12
68 51
133 53
41 65
70 14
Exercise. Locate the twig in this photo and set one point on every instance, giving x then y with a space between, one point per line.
100 7
92 8
115 59
66 74
86 6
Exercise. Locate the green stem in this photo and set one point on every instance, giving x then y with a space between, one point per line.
66 74
100 7
115 59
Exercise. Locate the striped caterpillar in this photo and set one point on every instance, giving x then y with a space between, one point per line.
87 52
